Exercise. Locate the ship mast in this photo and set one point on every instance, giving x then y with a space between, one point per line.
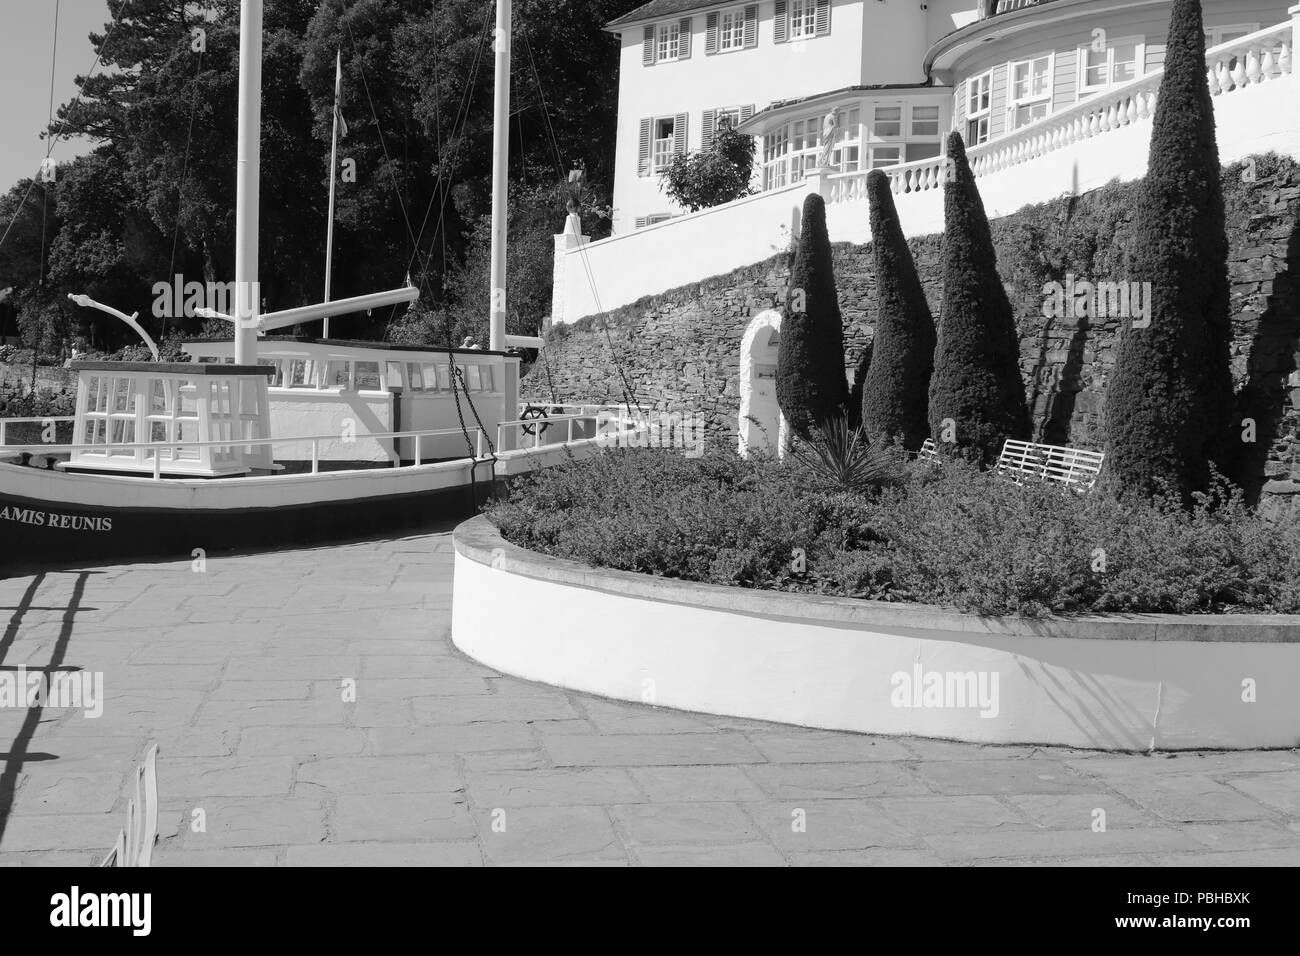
247 191
500 168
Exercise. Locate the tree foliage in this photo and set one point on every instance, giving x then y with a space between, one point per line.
1168 400
896 387
977 396
810 385
712 176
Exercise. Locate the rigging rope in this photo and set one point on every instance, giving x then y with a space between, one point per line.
45 192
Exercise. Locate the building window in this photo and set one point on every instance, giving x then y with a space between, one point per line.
888 122
847 152
804 137
803 19
731 29
1031 91
925 121
665 140
670 42
776 146
1118 62
1217 36
979 102
886 156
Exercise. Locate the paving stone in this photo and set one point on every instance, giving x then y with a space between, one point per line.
1289 857
685 823
1188 798
202 778
255 822
742 854
998 776
1243 835
1070 810
264 690
875 856
567 787
1057 843
62 831
615 717
467 710
1280 790
447 739
465 853
631 750
400 817
50 789
806 825
549 835
810 781
179 856
946 814
673 784
300 742
812 747
369 775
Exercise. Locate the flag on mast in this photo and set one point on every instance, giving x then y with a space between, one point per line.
338 94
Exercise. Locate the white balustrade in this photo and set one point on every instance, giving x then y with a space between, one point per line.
1230 67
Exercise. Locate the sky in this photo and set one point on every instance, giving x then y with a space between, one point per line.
26 48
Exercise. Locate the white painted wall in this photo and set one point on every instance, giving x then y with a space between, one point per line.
714 241
300 411
835 669
870 42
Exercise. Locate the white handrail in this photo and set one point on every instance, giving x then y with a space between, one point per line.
1261 56
227 442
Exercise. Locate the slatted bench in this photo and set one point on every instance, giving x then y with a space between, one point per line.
1027 461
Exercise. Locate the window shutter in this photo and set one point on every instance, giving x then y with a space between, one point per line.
751 26
822 21
679 134
746 112
780 23
684 40
711 34
706 133
648 47
641 221
643 155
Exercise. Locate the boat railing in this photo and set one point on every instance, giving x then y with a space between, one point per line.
536 427
42 420
315 440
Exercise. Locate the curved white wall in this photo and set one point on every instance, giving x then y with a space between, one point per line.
1125 683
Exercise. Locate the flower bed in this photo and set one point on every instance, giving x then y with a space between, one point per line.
950 536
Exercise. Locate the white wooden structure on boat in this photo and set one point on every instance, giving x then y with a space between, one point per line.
122 407
356 389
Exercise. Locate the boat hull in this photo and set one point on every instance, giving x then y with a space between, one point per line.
51 518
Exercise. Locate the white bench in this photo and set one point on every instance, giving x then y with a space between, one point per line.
135 844
1028 461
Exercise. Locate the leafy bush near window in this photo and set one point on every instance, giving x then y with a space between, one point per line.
948 535
713 176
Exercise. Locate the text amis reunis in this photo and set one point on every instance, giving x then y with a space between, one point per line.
48 519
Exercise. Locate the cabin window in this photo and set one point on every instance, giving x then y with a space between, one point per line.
367 376
299 375
339 375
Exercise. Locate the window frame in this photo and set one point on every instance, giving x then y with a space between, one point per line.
738 28
1086 89
806 19
655 167
1214 35
983 114
1015 102
663 40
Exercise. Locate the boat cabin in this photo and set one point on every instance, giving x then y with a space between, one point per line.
124 406
349 389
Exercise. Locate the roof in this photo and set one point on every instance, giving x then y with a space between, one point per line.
779 105
656 9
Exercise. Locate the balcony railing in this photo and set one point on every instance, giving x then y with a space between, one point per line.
1258 58
994 7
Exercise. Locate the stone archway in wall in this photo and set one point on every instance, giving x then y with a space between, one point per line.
761 424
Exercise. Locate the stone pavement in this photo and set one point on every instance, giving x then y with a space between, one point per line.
240 670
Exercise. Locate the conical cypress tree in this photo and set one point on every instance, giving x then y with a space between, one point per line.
895 392
1169 398
976 384
810 383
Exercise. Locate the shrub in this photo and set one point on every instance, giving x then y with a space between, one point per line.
837 456
896 387
712 176
810 383
1168 400
976 381
954 536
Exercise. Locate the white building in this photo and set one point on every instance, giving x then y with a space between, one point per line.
1051 97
